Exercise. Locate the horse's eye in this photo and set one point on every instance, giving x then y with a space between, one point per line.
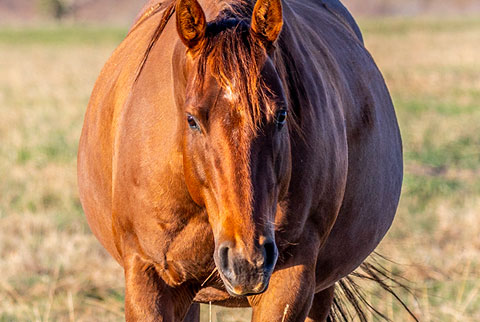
281 118
192 122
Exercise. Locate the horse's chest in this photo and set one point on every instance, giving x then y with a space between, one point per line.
187 251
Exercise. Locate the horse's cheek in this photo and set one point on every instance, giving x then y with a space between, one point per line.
193 187
194 174
283 167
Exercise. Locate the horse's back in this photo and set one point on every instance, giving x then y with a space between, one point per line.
338 9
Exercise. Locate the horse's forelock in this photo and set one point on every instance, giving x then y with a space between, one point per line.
235 59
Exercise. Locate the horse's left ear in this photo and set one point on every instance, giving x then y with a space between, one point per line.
191 23
267 20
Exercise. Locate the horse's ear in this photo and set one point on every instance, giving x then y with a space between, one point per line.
267 19
191 23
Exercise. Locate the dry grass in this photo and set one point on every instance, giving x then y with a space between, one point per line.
52 268
432 68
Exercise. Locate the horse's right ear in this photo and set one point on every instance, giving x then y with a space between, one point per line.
267 20
191 23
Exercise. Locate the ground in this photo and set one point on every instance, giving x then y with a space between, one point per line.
52 268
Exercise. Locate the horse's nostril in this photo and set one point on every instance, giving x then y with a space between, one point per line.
270 255
223 256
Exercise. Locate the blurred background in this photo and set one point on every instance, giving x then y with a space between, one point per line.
51 51
120 11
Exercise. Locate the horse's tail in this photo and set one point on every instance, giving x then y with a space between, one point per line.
350 302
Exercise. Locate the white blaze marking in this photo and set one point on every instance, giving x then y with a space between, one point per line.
229 94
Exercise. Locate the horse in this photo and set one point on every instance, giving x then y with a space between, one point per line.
242 154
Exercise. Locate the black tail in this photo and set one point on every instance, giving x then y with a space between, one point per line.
350 302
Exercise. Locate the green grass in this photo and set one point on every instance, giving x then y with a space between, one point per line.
54 269
62 35
401 26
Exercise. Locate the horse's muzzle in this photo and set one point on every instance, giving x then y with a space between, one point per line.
244 277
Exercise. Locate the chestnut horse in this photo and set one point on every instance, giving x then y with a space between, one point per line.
239 153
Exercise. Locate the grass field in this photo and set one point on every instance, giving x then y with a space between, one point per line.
53 269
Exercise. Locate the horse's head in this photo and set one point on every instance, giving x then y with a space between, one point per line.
236 148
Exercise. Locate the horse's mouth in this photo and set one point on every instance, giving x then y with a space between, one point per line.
240 291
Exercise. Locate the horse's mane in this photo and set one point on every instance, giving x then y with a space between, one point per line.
168 8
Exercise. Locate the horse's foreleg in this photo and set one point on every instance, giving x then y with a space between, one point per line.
149 298
321 305
292 286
